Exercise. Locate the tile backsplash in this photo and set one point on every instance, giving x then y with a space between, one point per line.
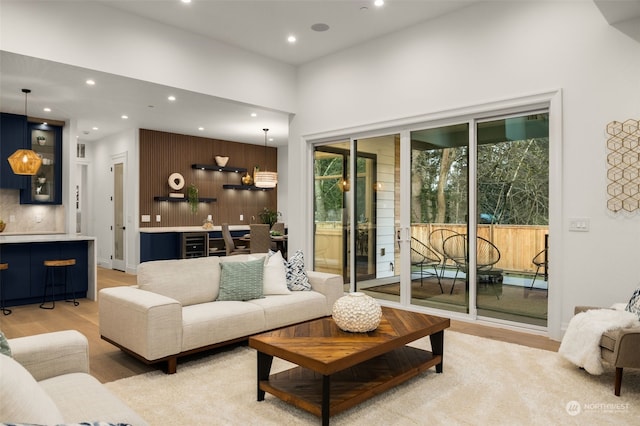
27 218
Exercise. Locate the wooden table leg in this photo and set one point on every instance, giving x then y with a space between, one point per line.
264 368
437 347
326 399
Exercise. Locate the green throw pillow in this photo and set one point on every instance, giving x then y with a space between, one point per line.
241 280
4 345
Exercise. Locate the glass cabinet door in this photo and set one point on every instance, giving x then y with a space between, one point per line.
46 186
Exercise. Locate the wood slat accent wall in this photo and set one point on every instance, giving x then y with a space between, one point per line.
162 154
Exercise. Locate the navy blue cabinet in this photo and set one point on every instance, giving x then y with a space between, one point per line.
159 246
13 131
46 186
23 282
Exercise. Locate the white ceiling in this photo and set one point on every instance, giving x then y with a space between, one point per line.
259 26
262 26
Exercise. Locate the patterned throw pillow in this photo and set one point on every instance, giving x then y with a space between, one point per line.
241 280
297 279
4 345
634 303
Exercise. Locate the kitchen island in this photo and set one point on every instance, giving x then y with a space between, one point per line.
23 281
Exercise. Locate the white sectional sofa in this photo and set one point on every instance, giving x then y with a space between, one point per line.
176 308
46 381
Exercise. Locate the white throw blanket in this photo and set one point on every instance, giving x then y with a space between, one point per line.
581 342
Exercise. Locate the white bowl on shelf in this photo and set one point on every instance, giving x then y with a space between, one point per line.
221 161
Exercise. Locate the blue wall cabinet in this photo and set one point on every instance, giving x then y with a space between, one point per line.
46 186
13 131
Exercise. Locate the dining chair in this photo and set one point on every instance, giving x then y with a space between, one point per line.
260 238
229 245
278 227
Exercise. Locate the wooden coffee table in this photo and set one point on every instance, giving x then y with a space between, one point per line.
338 369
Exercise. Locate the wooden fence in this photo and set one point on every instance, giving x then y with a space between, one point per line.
518 244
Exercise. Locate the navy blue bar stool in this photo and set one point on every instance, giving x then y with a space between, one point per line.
5 311
49 281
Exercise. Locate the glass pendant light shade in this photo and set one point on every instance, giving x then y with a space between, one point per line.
265 179
25 162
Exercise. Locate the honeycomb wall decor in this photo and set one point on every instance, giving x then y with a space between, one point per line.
623 161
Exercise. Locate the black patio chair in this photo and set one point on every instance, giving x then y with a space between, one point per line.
487 255
541 261
436 242
424 257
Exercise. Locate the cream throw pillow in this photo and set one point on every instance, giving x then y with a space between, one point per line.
275 275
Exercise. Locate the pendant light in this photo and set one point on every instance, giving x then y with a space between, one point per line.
265 179
25 161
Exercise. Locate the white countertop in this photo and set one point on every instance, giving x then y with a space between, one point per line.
12 238
192 229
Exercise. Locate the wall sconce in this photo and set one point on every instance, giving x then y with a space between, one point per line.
344 185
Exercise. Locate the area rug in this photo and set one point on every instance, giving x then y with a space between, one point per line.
484 382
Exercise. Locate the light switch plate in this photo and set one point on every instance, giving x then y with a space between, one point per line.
579 224
146 218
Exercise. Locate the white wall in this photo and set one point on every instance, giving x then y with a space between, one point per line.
487 52
102 152
87 34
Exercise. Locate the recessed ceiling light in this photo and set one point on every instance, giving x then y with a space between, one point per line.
186 1
253 114
47 109
320 27
124 117
378 3
90 82
291 39
94 128
201 128
172 98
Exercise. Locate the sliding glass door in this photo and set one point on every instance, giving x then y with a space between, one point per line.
439 206
449 217
513 217
355 209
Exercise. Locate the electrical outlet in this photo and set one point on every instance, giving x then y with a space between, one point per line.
157 218
241 217
382 251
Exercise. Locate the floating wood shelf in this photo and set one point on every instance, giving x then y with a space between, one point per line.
217 168
174 199
246 187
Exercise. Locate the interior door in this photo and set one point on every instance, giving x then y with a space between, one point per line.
119 228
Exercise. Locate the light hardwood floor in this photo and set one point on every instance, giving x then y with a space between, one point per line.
108 363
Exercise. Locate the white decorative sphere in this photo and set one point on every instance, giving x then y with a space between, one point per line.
357 312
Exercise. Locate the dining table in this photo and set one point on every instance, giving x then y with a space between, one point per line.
279 240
